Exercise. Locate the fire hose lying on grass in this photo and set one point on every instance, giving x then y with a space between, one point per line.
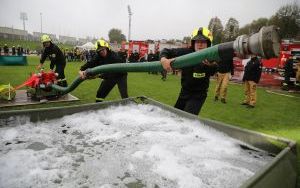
265 43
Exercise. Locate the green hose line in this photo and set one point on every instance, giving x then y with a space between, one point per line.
192 59
187 60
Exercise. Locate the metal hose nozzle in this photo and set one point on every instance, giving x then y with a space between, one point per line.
265 43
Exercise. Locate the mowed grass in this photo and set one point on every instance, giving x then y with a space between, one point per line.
274 114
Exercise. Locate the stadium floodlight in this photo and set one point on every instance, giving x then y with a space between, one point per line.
23 17
41 22
129 14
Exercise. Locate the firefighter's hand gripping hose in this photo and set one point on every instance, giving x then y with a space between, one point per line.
265 43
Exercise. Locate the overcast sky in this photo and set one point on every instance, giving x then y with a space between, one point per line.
151 19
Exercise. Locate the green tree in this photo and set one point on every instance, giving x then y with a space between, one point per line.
231 30
216 27
254 26
116 35
287 19
186 40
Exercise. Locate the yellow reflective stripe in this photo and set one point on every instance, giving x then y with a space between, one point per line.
207 33
198 75
195 33
99 99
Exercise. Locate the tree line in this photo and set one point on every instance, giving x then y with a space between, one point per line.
286 18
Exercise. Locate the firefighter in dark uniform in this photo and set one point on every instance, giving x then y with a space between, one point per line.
56 57
104 55
194 80
152 57
122 54
252 74
288 74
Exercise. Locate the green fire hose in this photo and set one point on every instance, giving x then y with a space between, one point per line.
265 43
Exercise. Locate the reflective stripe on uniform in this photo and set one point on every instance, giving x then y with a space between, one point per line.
198 75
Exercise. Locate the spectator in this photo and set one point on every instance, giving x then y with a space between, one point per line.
5 49
13 50
19 52
251 78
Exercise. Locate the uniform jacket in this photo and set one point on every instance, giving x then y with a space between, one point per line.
252 70
193 79
97 60
54 54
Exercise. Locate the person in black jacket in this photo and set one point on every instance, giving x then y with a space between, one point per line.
6 49
288 74
194 80
106 56
134 57
225 71
13 50
123 54
251 78
56 57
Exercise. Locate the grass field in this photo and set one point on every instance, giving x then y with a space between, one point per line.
274 114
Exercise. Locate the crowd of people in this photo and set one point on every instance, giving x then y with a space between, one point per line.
13 50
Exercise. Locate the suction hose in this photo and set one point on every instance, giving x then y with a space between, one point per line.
265 43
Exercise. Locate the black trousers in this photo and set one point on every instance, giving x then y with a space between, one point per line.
60 69
108 84
191 102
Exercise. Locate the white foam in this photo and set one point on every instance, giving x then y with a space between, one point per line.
121 146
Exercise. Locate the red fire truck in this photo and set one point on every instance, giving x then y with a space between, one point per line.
142 47
287 48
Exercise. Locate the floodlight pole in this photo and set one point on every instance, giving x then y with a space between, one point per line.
41 22
23 16
129 14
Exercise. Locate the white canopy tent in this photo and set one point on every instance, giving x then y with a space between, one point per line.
87 46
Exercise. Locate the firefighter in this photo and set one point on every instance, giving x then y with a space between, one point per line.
194 80
297 84
288 73
225 71
134 57
56 57
251 78
104 55
152 57
122 54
